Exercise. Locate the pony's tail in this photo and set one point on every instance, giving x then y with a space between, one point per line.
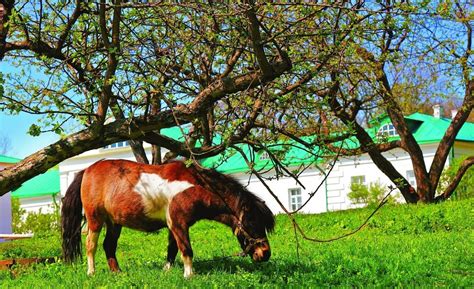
71 218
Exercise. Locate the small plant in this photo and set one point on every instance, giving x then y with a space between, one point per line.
36 222
17 215
370 195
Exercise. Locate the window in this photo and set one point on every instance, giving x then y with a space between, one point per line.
358 180
117 145
411 178
295 198
388 130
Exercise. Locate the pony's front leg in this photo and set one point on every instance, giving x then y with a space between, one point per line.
91 247
181 235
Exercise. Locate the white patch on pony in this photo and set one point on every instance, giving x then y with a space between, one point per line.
188 266
157 193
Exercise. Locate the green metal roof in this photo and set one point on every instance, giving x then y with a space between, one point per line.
8 160
41 185
432 129
288 152
425 128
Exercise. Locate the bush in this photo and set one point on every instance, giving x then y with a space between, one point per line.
370 195
36 222
465 189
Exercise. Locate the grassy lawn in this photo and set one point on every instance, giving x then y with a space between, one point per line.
405 246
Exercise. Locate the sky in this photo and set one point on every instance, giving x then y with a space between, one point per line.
15 128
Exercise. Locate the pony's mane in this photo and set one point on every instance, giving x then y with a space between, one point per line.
227 185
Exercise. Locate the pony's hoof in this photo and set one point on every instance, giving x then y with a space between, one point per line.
167 266
90 272
188 273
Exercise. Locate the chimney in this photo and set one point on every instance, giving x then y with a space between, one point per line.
453 113
437 111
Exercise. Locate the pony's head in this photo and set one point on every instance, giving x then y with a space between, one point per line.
255 221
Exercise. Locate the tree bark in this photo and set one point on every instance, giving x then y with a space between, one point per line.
449 137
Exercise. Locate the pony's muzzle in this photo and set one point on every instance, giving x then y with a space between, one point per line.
261 253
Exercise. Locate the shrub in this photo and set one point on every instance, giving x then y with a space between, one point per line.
370 195
465 189
36 222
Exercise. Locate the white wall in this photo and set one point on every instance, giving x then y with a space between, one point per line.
310 179
332 195
43 204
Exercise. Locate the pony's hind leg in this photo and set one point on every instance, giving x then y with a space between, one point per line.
172 251
91 247
110 245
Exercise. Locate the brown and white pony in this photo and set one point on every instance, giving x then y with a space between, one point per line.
150 197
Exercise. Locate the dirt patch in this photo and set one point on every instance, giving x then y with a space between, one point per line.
7 264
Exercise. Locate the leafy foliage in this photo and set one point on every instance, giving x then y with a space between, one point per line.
37 222
465 188
402 246
370 195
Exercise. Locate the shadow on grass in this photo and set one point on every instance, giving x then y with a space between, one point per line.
233 265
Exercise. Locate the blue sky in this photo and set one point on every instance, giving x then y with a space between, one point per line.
15 128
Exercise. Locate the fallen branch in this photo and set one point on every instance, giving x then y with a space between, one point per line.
15 236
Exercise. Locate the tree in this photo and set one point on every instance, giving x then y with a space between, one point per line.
365 81
427 179
5 145
248 73
103 61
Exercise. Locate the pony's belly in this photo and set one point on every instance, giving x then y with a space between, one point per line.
134 217
146 225
155 207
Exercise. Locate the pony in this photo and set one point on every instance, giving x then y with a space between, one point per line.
145 197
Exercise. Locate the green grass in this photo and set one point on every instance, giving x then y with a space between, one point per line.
402 246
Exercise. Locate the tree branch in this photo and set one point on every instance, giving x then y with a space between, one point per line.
254 29
75 15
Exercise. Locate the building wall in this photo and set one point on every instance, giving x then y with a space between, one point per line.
43 204
281 187
332 194
5 210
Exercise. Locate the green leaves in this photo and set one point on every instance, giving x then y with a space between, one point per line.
34 130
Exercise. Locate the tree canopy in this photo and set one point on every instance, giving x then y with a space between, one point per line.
104 71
